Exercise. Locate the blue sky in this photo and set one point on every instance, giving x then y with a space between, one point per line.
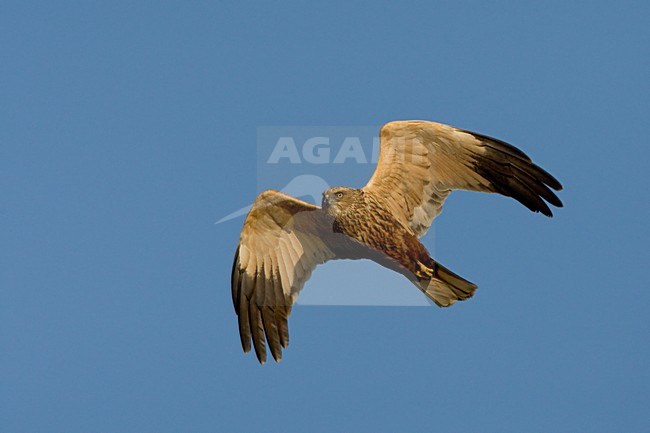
128 129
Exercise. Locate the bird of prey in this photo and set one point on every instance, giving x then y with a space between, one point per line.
420 164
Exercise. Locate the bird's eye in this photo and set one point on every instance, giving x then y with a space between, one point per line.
339 195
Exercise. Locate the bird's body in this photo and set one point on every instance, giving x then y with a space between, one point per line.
361 216
420 163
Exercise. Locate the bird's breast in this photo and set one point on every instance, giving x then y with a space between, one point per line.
366 225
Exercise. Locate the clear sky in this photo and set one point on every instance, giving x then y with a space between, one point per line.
128 128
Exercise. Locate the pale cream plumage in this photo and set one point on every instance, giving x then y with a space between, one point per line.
420 163
280 245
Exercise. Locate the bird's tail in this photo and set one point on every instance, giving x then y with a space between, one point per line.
443 286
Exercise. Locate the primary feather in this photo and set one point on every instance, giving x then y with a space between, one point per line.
420 163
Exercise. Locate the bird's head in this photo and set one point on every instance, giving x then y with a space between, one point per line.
338 199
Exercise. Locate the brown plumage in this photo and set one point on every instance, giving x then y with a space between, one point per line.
420 163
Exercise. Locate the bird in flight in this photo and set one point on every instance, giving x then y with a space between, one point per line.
420 164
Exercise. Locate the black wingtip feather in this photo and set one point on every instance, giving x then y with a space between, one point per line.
497 145
512 173
257 328
268 315
546 177
272 334
281 311
235 283
539 187
244 324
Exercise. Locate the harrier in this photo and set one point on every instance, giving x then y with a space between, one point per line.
420 163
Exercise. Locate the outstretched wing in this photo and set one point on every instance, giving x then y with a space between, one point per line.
282 241
420 163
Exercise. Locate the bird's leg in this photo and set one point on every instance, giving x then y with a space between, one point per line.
422 271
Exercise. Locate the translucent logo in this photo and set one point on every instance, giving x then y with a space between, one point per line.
305 161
